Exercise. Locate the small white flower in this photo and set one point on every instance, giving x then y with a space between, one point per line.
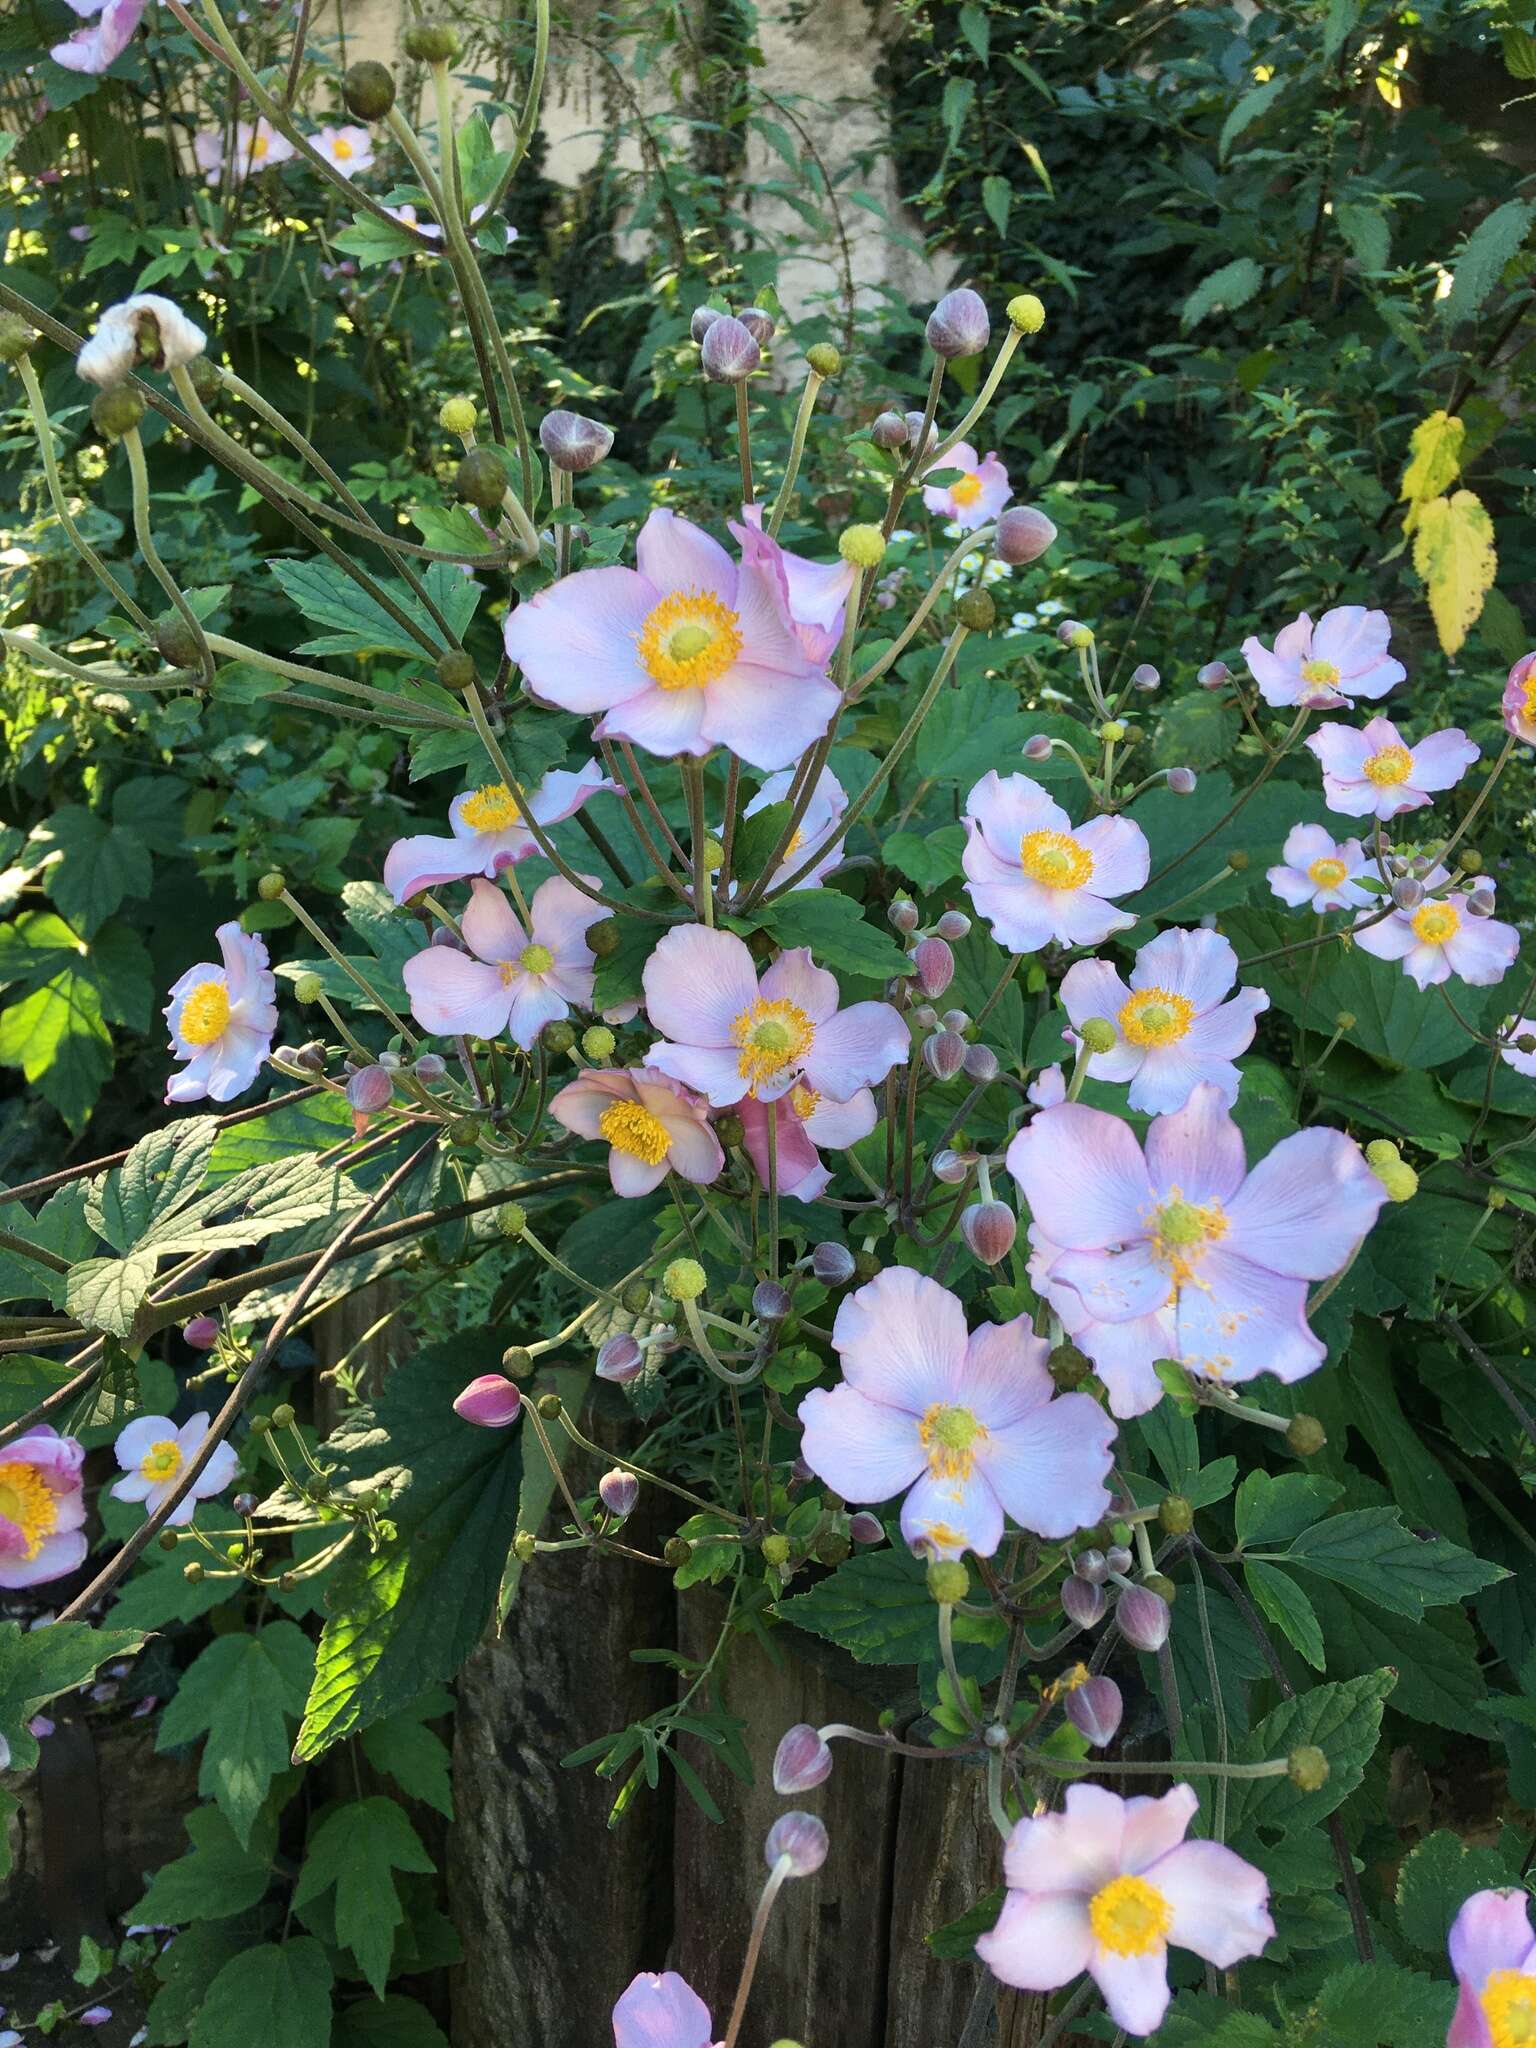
222 1019
348 149
144 332
154 1453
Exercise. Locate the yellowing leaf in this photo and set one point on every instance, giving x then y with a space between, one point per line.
1453 553
1434 462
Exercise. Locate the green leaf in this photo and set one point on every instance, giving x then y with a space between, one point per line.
420 1762
328 597
1195 732
997 201
572 1383
955 1941
976 27
618 973
1435 1657
1252 107
241 1692
1280 1598
926 858
1224 291
1370 1552
878 1608
1386 2004
37 1664
392 2022
188 1965
279 1996
1268 1509
357 1848
412 1613
160 1176
1435 1882
106 1294
1343 1721
1368 233
971 729
373 241
841 937
90 866
756 837
1480 265
217 1878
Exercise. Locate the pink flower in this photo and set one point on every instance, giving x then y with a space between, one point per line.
491 1401
685 653
651 1123
510 980
42 1508
1047 1088
349 149
1108 1887
96 48
1183 1253
816 593
1173 1030
1319 872
1442 938
804 1121
661 2012
488 833
1519 701
817 831
1342 658
1494 1956
153 1451
971 1425
723 1032
977 495
222 1020
208 153
1375 774
1035 876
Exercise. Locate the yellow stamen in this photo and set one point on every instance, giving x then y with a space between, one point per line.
967 490
1436 923
29 1501
772 1036
1319 677
1130 1917
1392 765
940 1536
342 149
689 640
1509 2006
1327 873
804 1101
535 959
1182 1232
1069 1681
949 1435
1156 1016
204 1012
259 147
162 1461
1529 686
630 1127
1055 860
492 808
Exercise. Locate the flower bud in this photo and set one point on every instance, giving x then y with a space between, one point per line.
1023 535
1481 903
1215 675
1069 1367
1069 629
481 479
684 1280
728 353
1470 861
312 1056
1399 1180
989 1229
597 1042
730 1130
558 1036
1082 1601
801 1761
1407 893
117 412
1026 313
866 1528
976 611
620 1359
758 322
677 1551
1118 1559
1094 1708
926 1017
889 431
944 1054
1097 1033
955 1020
952 1167
572 442
1181 781
446 940
1144 676
801 1839
1307 1768
618 1491
370 1089
702 319
770 1301
954 924
1175 1515
517 1361
511 1219
368 89
1305 1436
491 1401
861 545
917 437
903 915
948 1580
431 42
1037 747
603 938
935 965
1144 1618
959 324
981 1063
825 358
832 1263
175 642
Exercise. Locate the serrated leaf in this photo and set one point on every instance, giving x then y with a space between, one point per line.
926 858
106 1294
240 1694
1382 2003
1252 107
878 1608
1434 461
1479 266
997 201
1224 291
392 2022
217 1878
1435 1881
420 1762
160 1176
1270 1508
1435 1656
1369 1551
90 865
839 933
357 1849
1368 233
1343 1721
277 1995
1285 1604
37 1664
1454 556
328 597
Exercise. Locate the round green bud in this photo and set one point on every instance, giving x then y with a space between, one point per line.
1160 1584
558 1036
1080 636
597 1042
1306 1435
517 1361
455 669
824 358
1237 861
271 886
864 546
549 1406
1346 1020
976 611
167 1539
431 42
309 988
464 1130
1470 861
1497 1199
458 415
481 479
234 1551
714 856
948 1580
282 1415
677 1551
603 939
1381 1152
776 1549
1097 1033
16 337
1069 1367
1026 313
730 1130
866 1264
260 1424
1307 1768
192 1572
117 412
636 1298
684 1280
1120 1534
176 643
1176 1515
1399 1180
524 1546
833 1548
511 1219
369 90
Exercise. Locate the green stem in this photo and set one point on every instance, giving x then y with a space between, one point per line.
813 384
133 448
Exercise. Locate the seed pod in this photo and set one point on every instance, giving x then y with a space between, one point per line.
1023 535
431 42
959 324
1069 1367
801 1761
558 1036
572 442
175 642
1095 1708
832 1263
603 938
1144 1618
825 358
976 611
944 1054
117 412
935 965
728 352
620 1359
369 90
1305 1435
989 1229
801 1839
481 479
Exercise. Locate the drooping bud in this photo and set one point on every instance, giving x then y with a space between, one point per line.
1118 1559
954 924
801 1761
903 914
926 1017
1097 1033
1037 747
1082 1601
944 1054
1095 1708
832 1263
866 1528
573 442
728 352
618 1491
684 1280
620 1359
989 1229
1144 1618
703 318
311 1056
370 1089
935 965
1092 1566
491 1401
959 324
202 1332
889 431
1026 313
1306 1436
951 1167
1023 535
1181 781
1215 675
759 323
981 1063
1144 676
801 1840
917 437
1407 893
770 1301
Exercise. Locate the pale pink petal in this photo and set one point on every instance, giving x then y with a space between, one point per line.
1198 965
1469 2023
581 1103
1121 856
563 792
454 996
1199 1151
796 1151
674 554
632 1177
715 1071
793 978
1048 1468
1135 1988
534 1004
664 722
412 865
1442 758
1343 750
695 1150
576 641
1235 1320
1220 1903
901 1339
1290 885
1115 1286
1083 1171
661 2012
1092 988
562 915
1075 1851
865 1450
1082 918
1279 681
1124 1355
856 1049
946 1517
697 983
840 1124
1492 1931
1155 1825
1005 1377
994 493
1003 809
1388 938
56 1557
1304 1208
1482 951
490 925
1041 1941
766 717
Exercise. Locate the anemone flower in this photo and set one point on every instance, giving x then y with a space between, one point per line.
488 831
661 2012
1342 658
42 1508
978 494
1318 873
221 1020
1493 1954
153 1452
510 979
1373 772
650 1123
1035 876
804 1122
1442 938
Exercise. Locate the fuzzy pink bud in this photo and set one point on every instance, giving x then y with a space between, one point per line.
1023 535
1181 781
935 965
572 442
981 1063
770 1301
955 1020
916 435
728 351
1082 1601
903 914
952 1167
832 1263
802 1839
369 1089
801 1761
954 924
959 324
1144 1618
618 1491
1144 676
703 318
619 1358
490 1402
944 1054
1408 893
759 324
1091 1566
1037 747
889 431
1214 676
989 1228
1094 1709
202 1333
866 1528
